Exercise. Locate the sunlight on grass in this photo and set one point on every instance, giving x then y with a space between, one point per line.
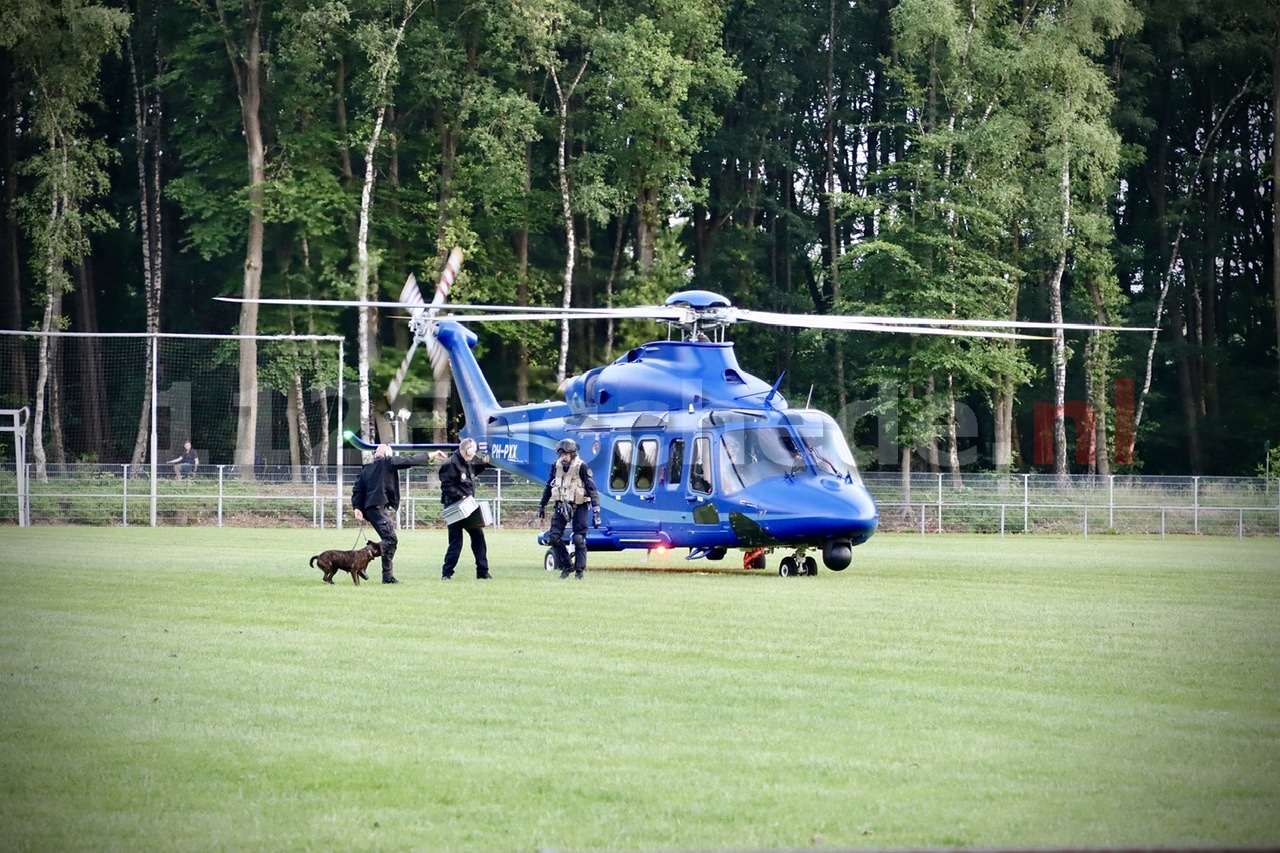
202 688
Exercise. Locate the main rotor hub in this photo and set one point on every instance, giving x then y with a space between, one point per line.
703 311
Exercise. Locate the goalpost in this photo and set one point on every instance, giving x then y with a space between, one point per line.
18 426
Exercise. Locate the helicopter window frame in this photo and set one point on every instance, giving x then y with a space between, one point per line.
645 465
620 465
700 466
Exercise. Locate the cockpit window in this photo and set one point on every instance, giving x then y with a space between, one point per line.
751 454
824 443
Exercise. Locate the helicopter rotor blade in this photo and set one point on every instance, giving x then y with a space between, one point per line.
691 317
876 323
839 322
496 313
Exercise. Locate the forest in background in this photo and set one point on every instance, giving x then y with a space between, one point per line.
1093 161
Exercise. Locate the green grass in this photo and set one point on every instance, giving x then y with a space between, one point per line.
184 689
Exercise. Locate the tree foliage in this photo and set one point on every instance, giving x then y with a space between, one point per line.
986 158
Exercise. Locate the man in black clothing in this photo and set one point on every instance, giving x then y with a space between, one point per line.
573 489
375 498
457 482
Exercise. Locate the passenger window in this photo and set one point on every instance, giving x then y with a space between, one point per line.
700 467
675 464
647 465
620 467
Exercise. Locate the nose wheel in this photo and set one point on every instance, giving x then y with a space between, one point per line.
798 564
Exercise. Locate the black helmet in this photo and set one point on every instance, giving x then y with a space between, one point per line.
567 445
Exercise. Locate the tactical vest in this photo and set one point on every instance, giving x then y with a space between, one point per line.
568 486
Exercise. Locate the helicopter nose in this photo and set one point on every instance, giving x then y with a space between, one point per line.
815 511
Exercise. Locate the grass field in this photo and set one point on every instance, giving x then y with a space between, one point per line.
201 689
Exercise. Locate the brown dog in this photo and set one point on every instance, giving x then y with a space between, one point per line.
332 562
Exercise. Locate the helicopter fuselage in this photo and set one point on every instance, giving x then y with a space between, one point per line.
687 450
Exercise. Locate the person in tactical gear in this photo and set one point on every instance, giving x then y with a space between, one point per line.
375 498
458 481
573 489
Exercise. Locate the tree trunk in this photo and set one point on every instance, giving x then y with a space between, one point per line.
246 67
93 400
149 223
293 416
52 311
15 383
1186 389
1275 174
1002 438
1055 316
566 208
345 168
368 325
442 386
953 439
646 229
1096 364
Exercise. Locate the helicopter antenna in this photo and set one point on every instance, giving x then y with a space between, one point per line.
809 400
774 390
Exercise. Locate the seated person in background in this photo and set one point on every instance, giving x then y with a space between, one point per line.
185 462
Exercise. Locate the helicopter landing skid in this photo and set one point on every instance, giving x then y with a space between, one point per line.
798 564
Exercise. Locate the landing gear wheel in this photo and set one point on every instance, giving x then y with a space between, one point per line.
787 567
754 559
810 567
549 560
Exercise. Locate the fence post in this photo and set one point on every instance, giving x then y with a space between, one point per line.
124 514
220 467
939 501
317 508
1111 501
1195 504
1001 521
1026 502
407 520
923 511
1086 521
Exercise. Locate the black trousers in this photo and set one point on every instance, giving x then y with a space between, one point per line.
383 520
578 517
479 549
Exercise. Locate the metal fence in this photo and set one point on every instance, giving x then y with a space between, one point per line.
1077 504
316 496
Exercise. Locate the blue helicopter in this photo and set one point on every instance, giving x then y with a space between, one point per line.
688 449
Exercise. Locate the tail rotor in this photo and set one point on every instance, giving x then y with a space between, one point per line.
421 315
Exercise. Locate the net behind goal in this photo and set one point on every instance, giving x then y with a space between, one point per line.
93 405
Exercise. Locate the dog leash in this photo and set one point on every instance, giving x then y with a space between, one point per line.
359 532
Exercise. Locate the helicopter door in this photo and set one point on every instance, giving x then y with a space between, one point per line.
633 476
